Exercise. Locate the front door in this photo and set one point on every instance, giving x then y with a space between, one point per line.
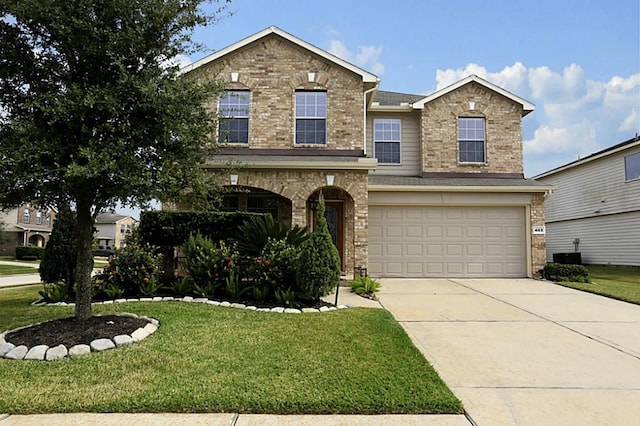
334 213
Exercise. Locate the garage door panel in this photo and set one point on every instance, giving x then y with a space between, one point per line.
442 241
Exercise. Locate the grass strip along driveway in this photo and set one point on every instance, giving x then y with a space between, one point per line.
16 269
617 282
214 359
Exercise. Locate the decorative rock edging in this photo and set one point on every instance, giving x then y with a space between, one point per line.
44 353
189 299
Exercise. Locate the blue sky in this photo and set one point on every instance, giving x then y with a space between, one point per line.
578 61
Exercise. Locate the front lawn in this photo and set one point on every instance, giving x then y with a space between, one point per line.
618 282
213 359
16 269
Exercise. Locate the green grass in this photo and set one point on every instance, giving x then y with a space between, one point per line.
15 269
213 359
617 282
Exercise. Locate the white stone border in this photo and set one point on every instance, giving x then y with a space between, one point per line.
45 353
189 299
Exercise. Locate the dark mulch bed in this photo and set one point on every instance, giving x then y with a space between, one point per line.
69 332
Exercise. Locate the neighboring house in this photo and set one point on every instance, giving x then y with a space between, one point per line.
112 229
415 185
596 206
26 225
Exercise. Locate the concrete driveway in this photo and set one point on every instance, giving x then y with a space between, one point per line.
525 352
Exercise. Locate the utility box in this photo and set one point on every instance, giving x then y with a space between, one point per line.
568 258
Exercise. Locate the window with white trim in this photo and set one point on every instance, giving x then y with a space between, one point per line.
632 166
386 137
38 218
26 216
471 140
233 108
311 117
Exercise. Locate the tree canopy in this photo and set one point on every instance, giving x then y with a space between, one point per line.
92 112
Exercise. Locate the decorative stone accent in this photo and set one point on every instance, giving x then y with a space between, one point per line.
122 340
37 352
55 353
18 352
309 310
5 348
292 311
139 334
79 350
100 345
238 305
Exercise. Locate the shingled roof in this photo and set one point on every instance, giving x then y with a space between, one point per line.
384 98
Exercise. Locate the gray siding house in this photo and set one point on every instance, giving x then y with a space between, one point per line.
596 206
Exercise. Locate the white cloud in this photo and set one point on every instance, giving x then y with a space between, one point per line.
575 116
367 57
180 60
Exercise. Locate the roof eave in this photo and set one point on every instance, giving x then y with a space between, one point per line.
367 77
461 188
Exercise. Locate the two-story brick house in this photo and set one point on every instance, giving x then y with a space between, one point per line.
415 186
26 225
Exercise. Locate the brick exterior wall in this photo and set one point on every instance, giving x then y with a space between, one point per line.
272 69
503 146
538 242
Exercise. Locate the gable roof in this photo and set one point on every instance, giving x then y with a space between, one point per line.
367 77
110 218
527 106
635 141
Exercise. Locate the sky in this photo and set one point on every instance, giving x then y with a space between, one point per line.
577 61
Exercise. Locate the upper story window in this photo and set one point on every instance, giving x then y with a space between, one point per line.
38 218
632 166
47 221
122 229
311 117
386 136
233 108
26 217
471 140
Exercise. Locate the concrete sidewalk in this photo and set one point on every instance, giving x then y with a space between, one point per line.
525 352
17 280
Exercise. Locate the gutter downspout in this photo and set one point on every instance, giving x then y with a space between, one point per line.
364 115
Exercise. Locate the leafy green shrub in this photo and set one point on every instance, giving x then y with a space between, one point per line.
181 286
256 231
365 285
208 265
53 293
234 288
563 272
318 269
29 253
112 291
134 269
60 255
288 298
275 268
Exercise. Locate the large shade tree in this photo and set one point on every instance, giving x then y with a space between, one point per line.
92 111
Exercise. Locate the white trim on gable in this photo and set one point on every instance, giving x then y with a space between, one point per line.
527 106
367 77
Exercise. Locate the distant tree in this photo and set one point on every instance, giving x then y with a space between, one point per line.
318 270
60 254
92 111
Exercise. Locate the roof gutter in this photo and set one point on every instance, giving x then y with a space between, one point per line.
459 188
364 114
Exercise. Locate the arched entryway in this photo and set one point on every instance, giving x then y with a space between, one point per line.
36 240
339 215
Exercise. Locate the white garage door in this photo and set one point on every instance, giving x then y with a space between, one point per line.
447 241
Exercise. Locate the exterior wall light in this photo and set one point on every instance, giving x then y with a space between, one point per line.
330 179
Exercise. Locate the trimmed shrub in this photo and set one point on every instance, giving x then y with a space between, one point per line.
208 265
563 272
172 229
318 270
60 255
276 266
134 270
29 253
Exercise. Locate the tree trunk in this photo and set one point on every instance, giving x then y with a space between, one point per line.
84 266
